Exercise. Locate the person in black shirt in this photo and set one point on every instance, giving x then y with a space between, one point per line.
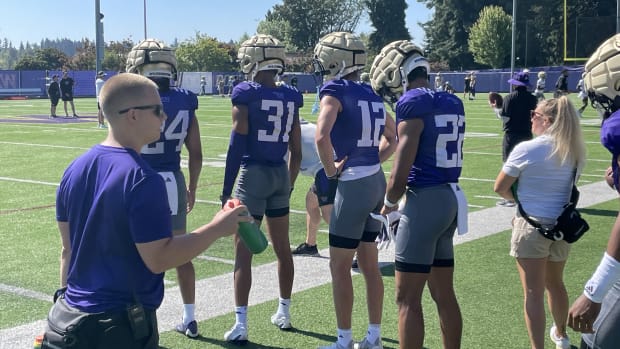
515 115
561 85
66 89
53 92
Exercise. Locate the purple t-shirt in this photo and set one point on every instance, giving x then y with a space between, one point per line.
112 200
359 126
440 151
271 112
180 106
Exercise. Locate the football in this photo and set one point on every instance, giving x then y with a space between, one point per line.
496 99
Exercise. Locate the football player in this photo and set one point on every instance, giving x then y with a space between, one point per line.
352 123
597 312
155 60
427 166
265 123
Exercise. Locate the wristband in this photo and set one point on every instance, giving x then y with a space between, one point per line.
388 203
607 273
334 176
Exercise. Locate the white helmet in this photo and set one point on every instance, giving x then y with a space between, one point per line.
152 58
261 52
388 74
602 75
338 54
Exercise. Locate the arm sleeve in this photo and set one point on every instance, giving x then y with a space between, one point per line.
236 149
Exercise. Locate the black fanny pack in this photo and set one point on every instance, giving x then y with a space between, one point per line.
569 226
68 327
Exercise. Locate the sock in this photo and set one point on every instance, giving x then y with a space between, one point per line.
241 314
188 313
283 306
345 337
374 333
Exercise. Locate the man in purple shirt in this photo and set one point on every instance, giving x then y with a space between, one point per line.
265 125
427 166
116 231
153 59
352 123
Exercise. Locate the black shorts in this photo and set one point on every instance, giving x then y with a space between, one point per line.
324 188
67 97
54 101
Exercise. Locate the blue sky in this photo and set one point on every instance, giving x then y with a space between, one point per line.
32 20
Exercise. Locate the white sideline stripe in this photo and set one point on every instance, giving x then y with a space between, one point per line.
481 153
25 293
8 179
477 179
44 145
214 296
219 203
216 259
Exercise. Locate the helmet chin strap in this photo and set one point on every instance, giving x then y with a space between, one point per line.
403 79
339 74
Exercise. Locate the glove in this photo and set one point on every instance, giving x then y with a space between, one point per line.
388 229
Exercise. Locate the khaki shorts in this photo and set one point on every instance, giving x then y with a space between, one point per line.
527 242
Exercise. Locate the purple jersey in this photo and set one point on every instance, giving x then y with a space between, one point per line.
610 139
440 150
359 126
271 112
180 106
112 200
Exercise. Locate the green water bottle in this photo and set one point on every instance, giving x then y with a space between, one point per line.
249 232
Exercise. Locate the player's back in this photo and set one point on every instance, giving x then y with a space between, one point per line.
271 112
440 150
180 106
360 125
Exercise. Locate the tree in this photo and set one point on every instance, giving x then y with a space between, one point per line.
490 37
115 55
85 57
277 28
43 59
388 19
204 53
309 20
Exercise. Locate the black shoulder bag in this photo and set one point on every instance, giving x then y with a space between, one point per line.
569 226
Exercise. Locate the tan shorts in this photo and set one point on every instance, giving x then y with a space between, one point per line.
527 242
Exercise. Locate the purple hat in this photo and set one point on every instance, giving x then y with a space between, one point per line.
520 79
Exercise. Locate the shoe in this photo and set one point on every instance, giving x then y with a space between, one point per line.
560 342
306 250
75 116
237 334
506 203
354 265
337 346
365 344
190 330
282 321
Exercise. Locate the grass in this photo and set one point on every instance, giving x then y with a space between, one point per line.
33 157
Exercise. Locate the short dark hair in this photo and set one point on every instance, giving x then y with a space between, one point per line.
419 72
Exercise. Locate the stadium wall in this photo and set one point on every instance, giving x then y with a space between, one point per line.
33 84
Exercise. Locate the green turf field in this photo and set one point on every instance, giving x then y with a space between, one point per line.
34 152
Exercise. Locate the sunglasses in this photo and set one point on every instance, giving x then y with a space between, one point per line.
158 109
534 115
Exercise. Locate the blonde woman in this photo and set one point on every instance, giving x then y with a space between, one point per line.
545 168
